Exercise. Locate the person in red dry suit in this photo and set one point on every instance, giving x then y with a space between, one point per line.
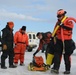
64 43
21 43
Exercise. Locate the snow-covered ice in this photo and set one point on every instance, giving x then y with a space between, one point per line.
23 70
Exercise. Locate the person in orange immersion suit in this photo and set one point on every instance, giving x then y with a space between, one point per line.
64 43
21 43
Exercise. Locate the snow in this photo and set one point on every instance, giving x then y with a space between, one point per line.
23 70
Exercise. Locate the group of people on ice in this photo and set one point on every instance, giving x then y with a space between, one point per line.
57 43
13 46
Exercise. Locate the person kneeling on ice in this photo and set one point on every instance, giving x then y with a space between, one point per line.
64 44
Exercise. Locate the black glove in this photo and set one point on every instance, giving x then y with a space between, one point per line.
36 52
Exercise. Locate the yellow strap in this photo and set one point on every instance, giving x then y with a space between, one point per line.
63 19
55 30
57 27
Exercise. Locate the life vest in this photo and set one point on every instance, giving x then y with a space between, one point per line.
67 28
57 26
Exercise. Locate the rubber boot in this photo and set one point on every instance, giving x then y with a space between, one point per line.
49 59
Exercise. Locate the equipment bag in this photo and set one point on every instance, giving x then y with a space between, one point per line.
38 61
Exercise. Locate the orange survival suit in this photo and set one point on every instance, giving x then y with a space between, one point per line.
21 42
64 34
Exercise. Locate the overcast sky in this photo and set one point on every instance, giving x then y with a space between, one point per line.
37 15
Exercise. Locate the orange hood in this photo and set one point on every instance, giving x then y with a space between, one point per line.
10 24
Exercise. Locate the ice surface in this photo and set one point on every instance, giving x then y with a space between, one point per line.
23 70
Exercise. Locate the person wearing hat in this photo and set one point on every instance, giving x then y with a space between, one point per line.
21 43
7 45
64 43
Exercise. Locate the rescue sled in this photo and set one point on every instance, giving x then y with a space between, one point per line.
37 64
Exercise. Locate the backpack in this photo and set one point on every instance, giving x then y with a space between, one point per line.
38 61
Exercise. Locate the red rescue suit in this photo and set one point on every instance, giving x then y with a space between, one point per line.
67 31
21 42
64 43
